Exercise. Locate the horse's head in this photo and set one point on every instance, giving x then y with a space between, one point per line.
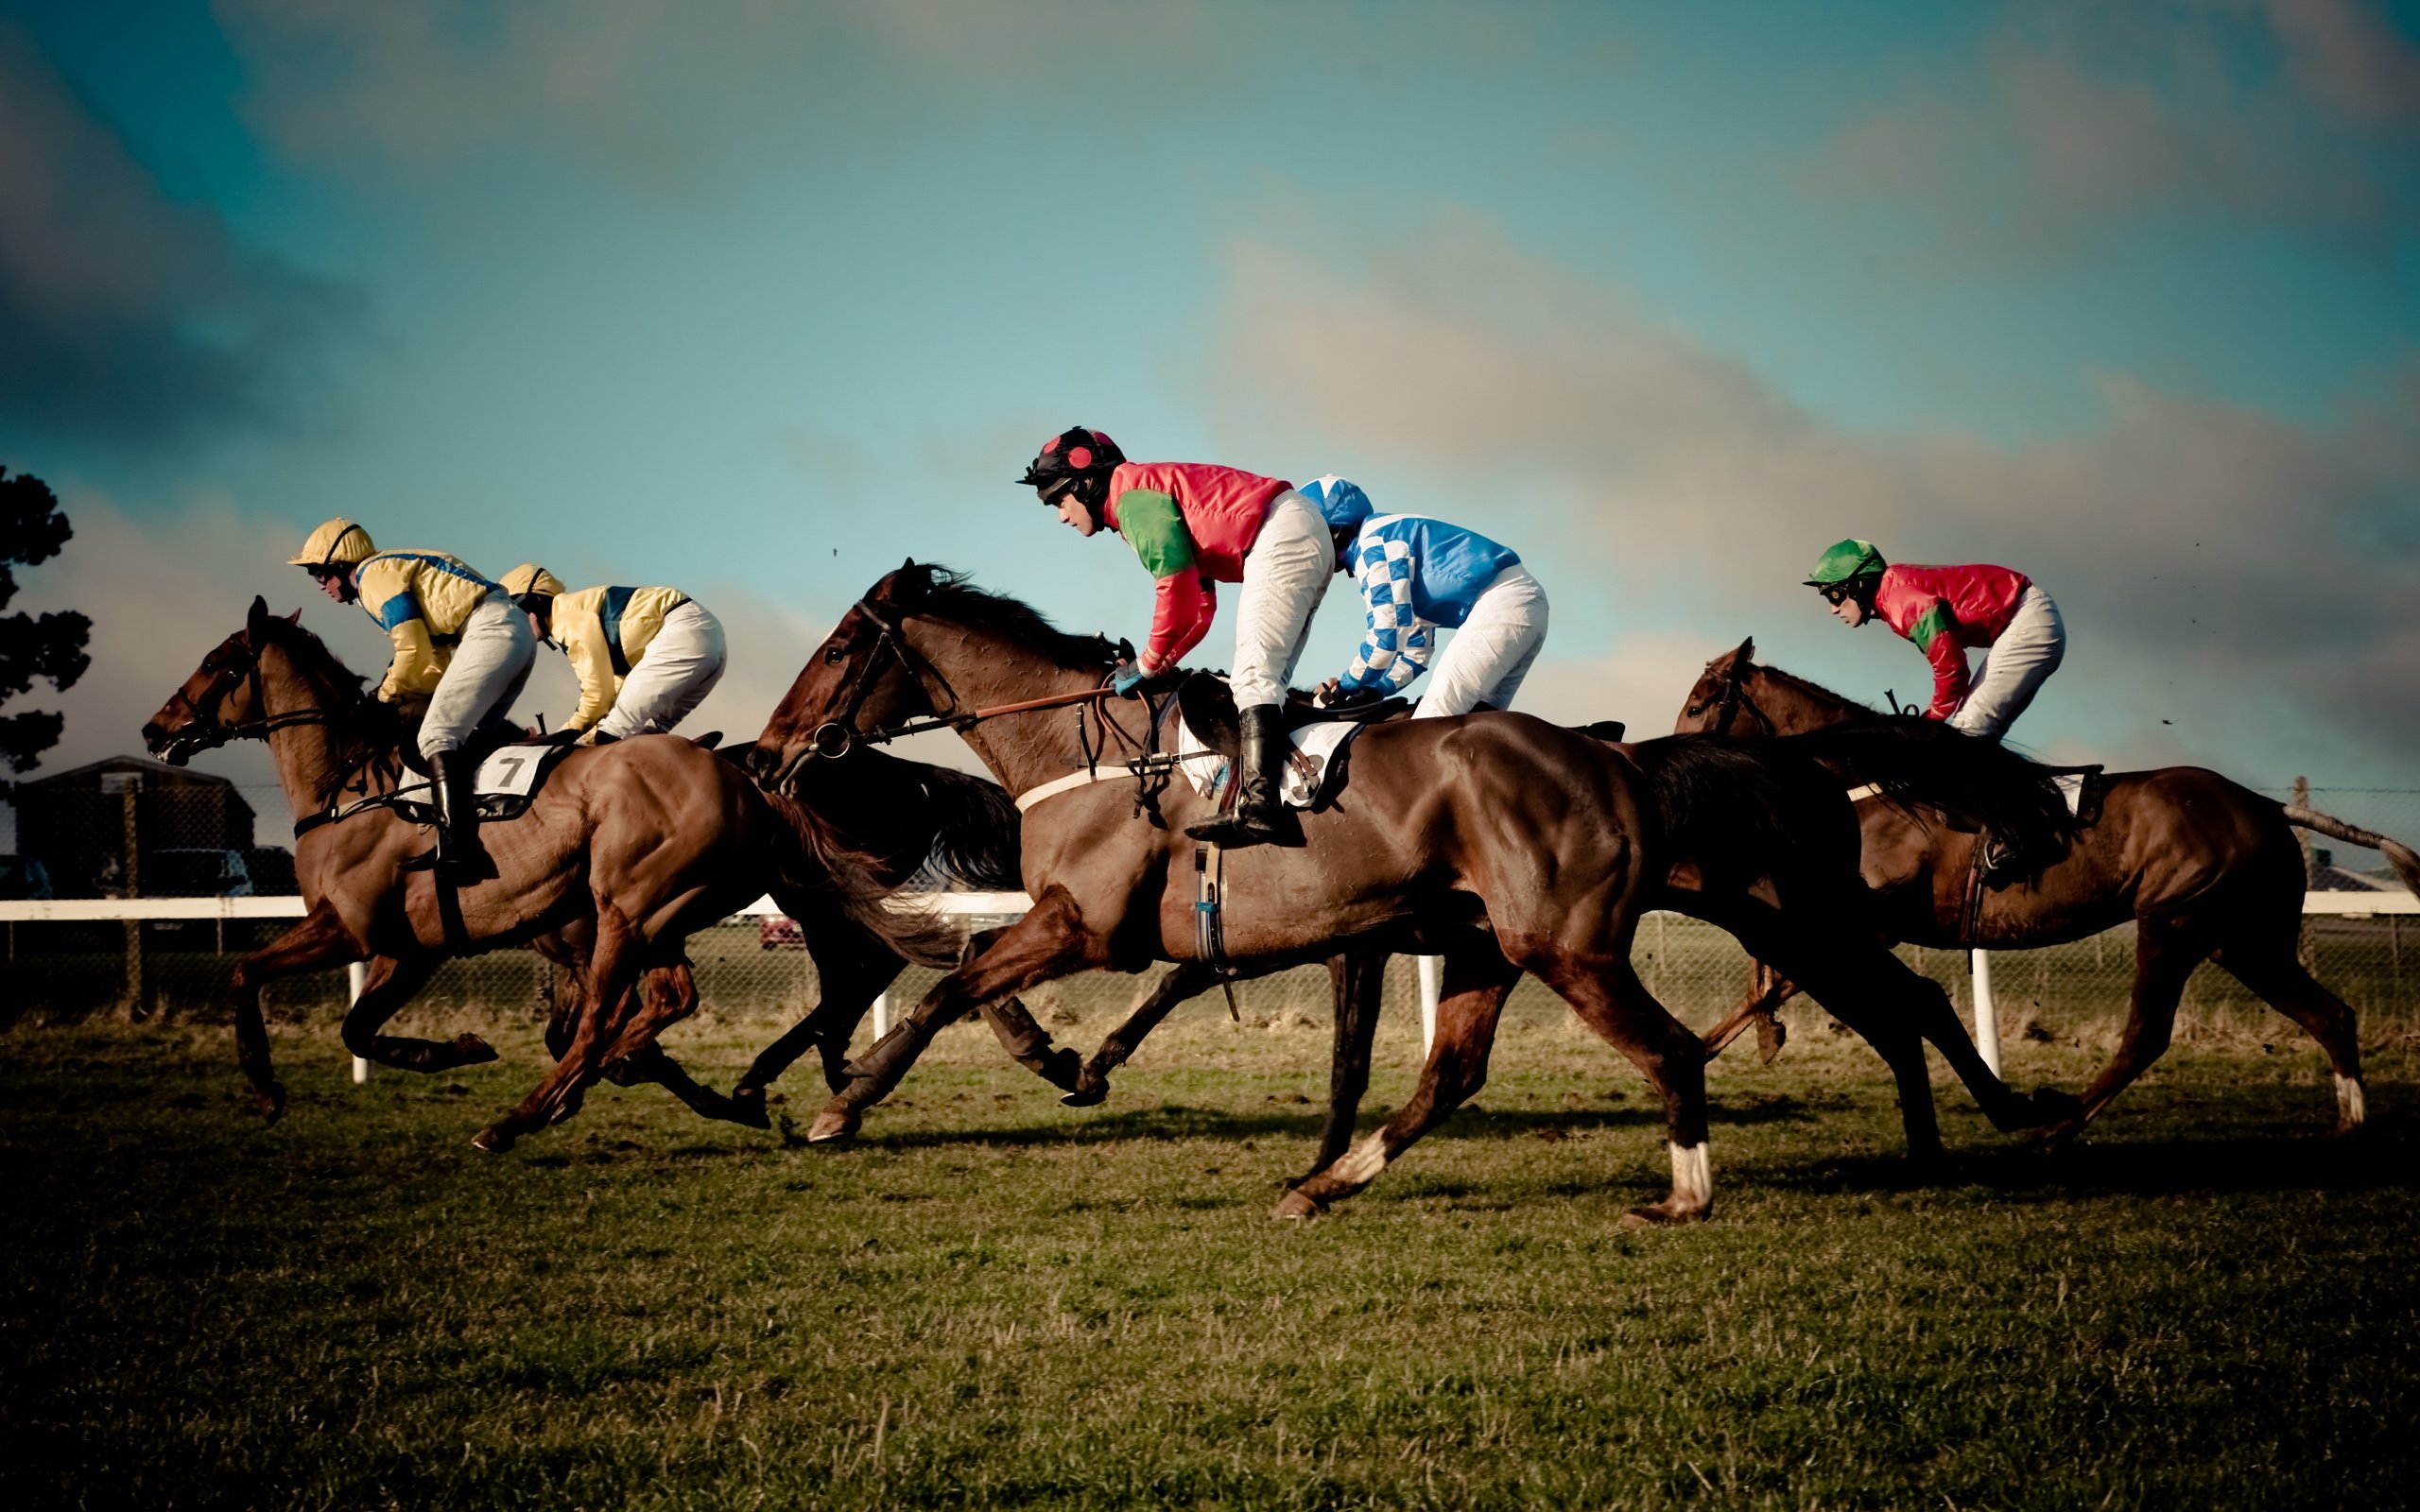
1715 703
221 696
863 677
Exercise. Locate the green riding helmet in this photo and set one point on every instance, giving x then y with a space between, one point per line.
1846 562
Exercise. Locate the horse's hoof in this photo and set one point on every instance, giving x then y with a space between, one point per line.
495 1139
2052 1104
1661 1214
1296 1204
1065 1070
750 1112
470 1049
2051 1136
269 1102
1089 1092
833 1125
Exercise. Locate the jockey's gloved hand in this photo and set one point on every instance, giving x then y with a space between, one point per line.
1131 681
1338 698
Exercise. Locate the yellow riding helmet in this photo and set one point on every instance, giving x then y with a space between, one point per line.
339 543
531 578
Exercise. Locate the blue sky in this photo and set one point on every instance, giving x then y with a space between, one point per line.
757 300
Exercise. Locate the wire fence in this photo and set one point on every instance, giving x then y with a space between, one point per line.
142 839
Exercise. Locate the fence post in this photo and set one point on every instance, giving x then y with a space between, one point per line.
138 996
881 1015
2301 837
1987 1017
357 976
1432 970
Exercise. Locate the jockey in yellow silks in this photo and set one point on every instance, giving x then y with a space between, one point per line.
458 644
644 657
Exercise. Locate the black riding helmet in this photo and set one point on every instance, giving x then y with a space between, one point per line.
1075 459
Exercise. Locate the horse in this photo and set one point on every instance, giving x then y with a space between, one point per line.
625 851
2206 870
1497 841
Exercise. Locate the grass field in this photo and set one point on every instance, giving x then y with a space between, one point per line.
991 1300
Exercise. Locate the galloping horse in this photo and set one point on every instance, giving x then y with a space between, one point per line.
1498 841
2204 867
627 849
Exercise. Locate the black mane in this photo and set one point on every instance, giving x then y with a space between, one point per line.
1791 679
927 587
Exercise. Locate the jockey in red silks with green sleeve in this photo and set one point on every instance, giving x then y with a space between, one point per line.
1194 526
1945 609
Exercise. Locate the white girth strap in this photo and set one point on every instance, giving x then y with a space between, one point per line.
1067 784
1857 794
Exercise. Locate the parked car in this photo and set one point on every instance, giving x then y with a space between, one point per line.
779 932
196 871
23 878
272 871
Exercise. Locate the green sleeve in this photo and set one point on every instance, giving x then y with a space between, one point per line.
1152 525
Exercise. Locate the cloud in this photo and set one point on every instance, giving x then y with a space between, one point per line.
2075 122
123 316
2232 565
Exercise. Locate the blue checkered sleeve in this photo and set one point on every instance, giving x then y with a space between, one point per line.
1397 642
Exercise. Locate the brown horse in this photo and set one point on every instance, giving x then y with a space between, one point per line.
1499 842
626 850
2206 870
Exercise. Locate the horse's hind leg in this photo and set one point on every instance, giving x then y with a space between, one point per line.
388 985
316 943
2165 956
1476 982
1187 979
2270 968
1768 989
672 995
1357 979
1610 999
613 969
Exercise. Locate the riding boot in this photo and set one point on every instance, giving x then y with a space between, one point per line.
459 855
1260 816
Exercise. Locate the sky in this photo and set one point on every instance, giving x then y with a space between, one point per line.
758 299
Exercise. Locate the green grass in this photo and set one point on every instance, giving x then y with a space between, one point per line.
994 1300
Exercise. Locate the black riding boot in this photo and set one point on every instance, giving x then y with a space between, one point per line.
1260 816
456 781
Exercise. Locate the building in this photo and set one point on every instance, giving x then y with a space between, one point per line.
75 822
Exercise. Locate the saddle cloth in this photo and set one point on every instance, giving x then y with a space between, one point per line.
509 780
1302 782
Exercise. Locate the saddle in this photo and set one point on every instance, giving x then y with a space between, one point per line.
1207 705
489 737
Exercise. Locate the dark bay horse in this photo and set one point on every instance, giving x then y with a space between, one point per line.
626 850
2204 867
1499 842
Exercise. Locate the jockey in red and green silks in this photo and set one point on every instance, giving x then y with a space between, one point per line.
1194 526
1945 609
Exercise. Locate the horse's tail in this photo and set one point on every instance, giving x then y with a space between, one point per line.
1721 802
814 866
2400 856
1924 761
978 832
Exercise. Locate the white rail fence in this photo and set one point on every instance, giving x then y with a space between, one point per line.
1009 904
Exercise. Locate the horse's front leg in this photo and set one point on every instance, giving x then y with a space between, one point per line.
614 967
1358 980
1049 941
317 942
671 996
388 985
1187 979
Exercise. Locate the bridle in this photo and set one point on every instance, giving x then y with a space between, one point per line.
1736 697
205 730
834 738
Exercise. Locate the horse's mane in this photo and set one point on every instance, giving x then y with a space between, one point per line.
316 662
360 736
931 589
1806 685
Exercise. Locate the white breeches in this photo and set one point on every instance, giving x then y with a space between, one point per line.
673 675
1485 660
1284 574
2013 671
491 659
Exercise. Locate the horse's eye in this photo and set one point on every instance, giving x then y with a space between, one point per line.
831 658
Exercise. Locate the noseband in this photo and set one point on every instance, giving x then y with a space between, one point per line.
834 737
197 735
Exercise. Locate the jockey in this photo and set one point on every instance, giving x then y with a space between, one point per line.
644 657
1195 525
459 645
1417 574
1945 609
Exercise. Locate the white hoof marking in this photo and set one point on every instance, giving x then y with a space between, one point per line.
1362 1164
2351 1108
1693 1177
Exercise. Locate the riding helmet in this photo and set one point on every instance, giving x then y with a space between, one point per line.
527 579
1078 458
337 542
1849 559
1341 502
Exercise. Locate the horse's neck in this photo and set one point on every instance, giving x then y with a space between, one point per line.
1795 708
1026 749
305 753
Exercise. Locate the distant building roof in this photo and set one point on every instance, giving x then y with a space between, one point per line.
154 774
2336 879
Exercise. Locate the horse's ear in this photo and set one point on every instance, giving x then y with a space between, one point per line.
259 614
295 618
911 585
908 566
1746 653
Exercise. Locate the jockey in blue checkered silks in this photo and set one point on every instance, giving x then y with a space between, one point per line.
1419 575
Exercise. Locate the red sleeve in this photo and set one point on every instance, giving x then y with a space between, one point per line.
1186 602
1933 632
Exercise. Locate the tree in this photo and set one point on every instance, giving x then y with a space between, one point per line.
50 648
